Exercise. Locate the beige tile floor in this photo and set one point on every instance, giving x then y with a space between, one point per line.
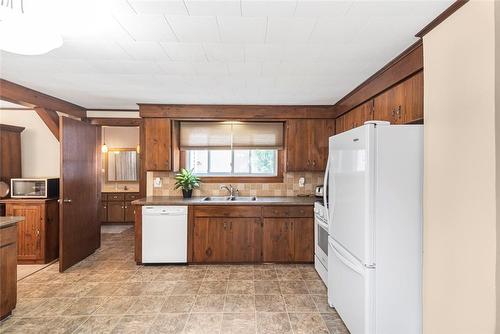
108 293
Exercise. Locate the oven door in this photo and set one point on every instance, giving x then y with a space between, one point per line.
321 241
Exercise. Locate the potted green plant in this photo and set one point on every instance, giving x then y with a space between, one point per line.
187 181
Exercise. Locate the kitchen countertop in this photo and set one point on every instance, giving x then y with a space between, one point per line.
171 200
9 221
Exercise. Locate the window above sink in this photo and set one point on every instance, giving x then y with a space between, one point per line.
233 151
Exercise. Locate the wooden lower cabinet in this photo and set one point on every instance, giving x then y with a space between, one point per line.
227 240
278 240
221 235
8 270
116 207
38 234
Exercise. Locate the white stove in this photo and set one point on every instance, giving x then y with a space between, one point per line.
321 240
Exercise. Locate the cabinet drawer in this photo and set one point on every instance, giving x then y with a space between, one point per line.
288 211
115 197
227 211
131 197
8 235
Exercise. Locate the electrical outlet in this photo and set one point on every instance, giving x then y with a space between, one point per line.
157 182
302 181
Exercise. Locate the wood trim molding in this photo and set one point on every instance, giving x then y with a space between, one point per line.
50 118
441 17
404 65
30 98
243 112
111 121
11 128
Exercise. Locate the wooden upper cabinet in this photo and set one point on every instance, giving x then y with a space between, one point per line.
354 118
307 144
402 103
157 144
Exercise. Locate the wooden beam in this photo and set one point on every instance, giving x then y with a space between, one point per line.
241 112
50 118
441 17
404 65
111 121
30 98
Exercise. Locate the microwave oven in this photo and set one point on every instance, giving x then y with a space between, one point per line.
34 188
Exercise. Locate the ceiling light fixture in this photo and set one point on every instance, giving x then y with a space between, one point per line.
104 148
25 33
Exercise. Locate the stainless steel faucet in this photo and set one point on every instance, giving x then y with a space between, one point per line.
230 189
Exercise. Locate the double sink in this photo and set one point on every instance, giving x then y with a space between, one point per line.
229 199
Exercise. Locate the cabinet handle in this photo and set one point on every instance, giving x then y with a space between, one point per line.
398 112
314 162
208 252
126 207
104 207
37 233
225 225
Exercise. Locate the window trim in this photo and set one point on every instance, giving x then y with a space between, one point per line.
278 178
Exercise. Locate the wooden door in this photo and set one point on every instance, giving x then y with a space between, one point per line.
413 107
79 232
116 212
29 231
303 231
129 212
277 240
297 143
244 243
319 131
157 144
210 240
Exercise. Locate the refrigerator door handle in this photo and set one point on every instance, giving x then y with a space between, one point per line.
354 267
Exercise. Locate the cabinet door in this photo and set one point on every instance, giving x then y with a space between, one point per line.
319 131
244 243
29 231
297 145
157 141
103 212
116 212
129 212
210 238
303 231
8 283
413 107
277 240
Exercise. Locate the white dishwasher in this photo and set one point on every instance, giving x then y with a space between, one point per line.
164 234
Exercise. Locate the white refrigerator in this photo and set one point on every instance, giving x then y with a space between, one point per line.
375 228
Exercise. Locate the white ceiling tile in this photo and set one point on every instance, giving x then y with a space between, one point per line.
397 8
211 68
301 52
167 7
322 8
253 68
195 28
185 51
177 67
213 8
224 52
242 29
147 27
338 30
286 30
85 49
125 67
264 52
144 50
259 8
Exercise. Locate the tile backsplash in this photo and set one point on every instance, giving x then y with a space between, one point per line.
289 187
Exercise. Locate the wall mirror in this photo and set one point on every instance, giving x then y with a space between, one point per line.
122 165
